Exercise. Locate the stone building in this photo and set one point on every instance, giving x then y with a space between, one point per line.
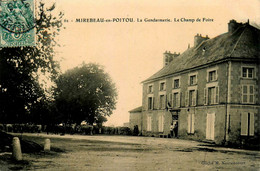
211 89
135 118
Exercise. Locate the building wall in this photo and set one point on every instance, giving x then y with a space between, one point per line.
234 135
200 123
135 119
229 114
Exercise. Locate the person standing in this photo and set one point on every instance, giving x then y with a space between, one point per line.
175 129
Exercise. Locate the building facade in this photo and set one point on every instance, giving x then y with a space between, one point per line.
211 90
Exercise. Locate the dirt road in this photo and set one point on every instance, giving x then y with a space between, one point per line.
136 153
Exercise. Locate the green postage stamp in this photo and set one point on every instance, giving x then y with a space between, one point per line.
17 24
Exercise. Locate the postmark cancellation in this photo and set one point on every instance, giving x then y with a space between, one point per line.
17 26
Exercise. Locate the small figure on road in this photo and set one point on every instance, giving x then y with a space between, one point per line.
171 129
175 129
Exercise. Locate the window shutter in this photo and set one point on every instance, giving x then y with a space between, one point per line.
244 123
189 123
242 93
196 97
208 126
252 124
192 123
217 95
207 77
216 74
179 100
187 98
162 122
170 99
205 96
148 103
152 103
251 94
159 124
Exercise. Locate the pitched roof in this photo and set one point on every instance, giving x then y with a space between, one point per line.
136 110
242 43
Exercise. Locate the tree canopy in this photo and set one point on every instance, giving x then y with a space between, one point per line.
85 93
20 68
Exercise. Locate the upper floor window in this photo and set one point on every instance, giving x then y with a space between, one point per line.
211 95
150 89
176 99
150 103
176 83
162 101
248 94
212 76
191 98
193 79
247 72
162 86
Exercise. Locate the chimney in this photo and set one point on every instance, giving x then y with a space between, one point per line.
199 38
168 57
233 25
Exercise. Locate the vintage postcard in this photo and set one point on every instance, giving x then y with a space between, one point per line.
130 85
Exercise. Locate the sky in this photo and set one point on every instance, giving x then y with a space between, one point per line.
133 51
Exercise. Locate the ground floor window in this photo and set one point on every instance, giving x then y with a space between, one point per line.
210 127
149 123
190 120
160 123
247 124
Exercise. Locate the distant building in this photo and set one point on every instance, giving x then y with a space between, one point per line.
211 90
126 124
135 118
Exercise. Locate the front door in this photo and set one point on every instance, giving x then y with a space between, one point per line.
210 126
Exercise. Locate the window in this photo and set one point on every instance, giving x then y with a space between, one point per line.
162 86
248 94
160 123
150 103
247 72
176 100
211 95
190 120
212 76
210 126
193 80
191 98
247 124
162 102
149 123
150 89
176 83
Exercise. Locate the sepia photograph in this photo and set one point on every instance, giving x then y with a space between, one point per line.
129 85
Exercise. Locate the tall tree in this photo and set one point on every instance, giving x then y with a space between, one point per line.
21 67
85 93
